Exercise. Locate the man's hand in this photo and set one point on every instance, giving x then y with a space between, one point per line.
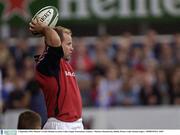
36 26
39 28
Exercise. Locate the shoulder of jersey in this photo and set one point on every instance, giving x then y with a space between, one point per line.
49 15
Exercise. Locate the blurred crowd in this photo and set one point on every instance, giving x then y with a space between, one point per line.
110 71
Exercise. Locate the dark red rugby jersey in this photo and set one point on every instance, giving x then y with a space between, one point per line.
57 80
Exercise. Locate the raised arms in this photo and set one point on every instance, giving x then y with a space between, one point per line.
51 36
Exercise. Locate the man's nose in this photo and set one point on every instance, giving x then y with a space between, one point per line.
72 48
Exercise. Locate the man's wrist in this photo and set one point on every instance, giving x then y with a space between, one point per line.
45 29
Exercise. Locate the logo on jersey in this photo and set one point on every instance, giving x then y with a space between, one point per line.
68 73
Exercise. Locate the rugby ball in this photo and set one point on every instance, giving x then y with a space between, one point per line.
49 15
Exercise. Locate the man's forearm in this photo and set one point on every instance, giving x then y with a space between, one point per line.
51 37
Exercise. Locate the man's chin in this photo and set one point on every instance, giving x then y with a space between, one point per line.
67 57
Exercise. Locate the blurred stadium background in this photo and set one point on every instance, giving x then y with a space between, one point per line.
127 61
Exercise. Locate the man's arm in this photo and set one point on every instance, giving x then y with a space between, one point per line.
48 62
51 36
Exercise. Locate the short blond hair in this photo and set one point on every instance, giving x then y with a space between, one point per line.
61 30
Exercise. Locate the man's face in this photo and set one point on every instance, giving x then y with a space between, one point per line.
67 46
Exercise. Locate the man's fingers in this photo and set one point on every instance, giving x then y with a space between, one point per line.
38 20
31 29
36 25
31 24
34 21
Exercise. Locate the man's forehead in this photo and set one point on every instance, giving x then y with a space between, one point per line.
67 36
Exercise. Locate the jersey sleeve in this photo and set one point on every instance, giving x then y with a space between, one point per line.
48 63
